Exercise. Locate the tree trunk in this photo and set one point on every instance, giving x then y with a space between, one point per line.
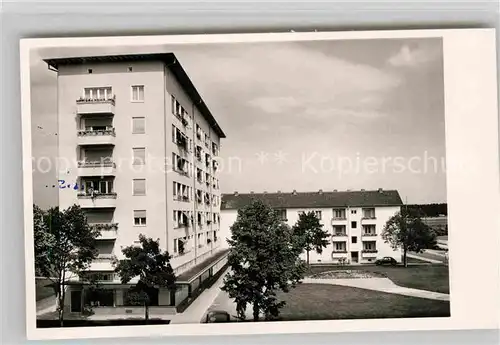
146 312
256 311
405 260
307 254
60 305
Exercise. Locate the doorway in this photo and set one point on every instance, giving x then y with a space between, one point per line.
76 301
354 257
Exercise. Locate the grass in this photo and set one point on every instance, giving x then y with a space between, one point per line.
332 302
424 277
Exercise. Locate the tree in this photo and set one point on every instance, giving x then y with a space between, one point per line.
310 233
264 259
407 231
65 246
152 268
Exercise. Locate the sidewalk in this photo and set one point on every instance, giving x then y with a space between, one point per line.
382 285
197 310
432 261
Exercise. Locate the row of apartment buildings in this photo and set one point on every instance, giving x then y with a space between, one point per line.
353 219
146 147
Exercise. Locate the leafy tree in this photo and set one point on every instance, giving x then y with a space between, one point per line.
407 231
152 268
264 259
310 233
65 246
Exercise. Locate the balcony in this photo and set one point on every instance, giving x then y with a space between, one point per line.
103 262
100 168
369 234
94 106
369 252
339 234
97 137
108 231
97 200
338 220
183 198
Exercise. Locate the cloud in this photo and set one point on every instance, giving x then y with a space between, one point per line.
409 56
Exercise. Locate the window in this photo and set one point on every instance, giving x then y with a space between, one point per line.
89 71
137 93
175 245
139 186
317 214
139 156
369 246
353 225
369 213
102 186
138 125
130 69
282 214
339 213
339 246
354 239
140 218
339 230
369 230
353 212
97 93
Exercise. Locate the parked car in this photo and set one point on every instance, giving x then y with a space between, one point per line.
217 316
387 260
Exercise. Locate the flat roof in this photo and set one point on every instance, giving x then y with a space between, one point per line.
170 61
196 271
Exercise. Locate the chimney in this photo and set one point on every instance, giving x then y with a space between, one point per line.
294 192
380 190
335 190
279 192
236 193
321 191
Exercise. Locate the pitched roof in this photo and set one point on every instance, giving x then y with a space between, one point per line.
171 63
315 199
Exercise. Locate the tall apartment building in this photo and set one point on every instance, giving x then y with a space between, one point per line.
353 219
144 147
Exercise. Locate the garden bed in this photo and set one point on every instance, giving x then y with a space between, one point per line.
347 274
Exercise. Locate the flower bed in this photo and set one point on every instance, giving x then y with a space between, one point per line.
347 274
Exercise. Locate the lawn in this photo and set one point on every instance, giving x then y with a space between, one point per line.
424 277
328 302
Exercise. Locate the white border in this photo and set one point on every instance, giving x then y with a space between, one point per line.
473 193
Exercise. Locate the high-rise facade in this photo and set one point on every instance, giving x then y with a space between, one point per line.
139 151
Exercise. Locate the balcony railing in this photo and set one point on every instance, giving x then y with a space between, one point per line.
110 100
369 251
105 226
368 217
339 234
96 164
104 258
95 106
97 195
96 132
369 234
343 251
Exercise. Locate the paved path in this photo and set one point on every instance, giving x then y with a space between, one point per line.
197 310
46 305
382 285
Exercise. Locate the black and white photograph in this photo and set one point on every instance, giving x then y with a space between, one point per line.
239 182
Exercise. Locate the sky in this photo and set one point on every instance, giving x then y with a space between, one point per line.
343 114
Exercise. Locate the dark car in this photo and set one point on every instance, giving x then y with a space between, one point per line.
217 316
386 261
